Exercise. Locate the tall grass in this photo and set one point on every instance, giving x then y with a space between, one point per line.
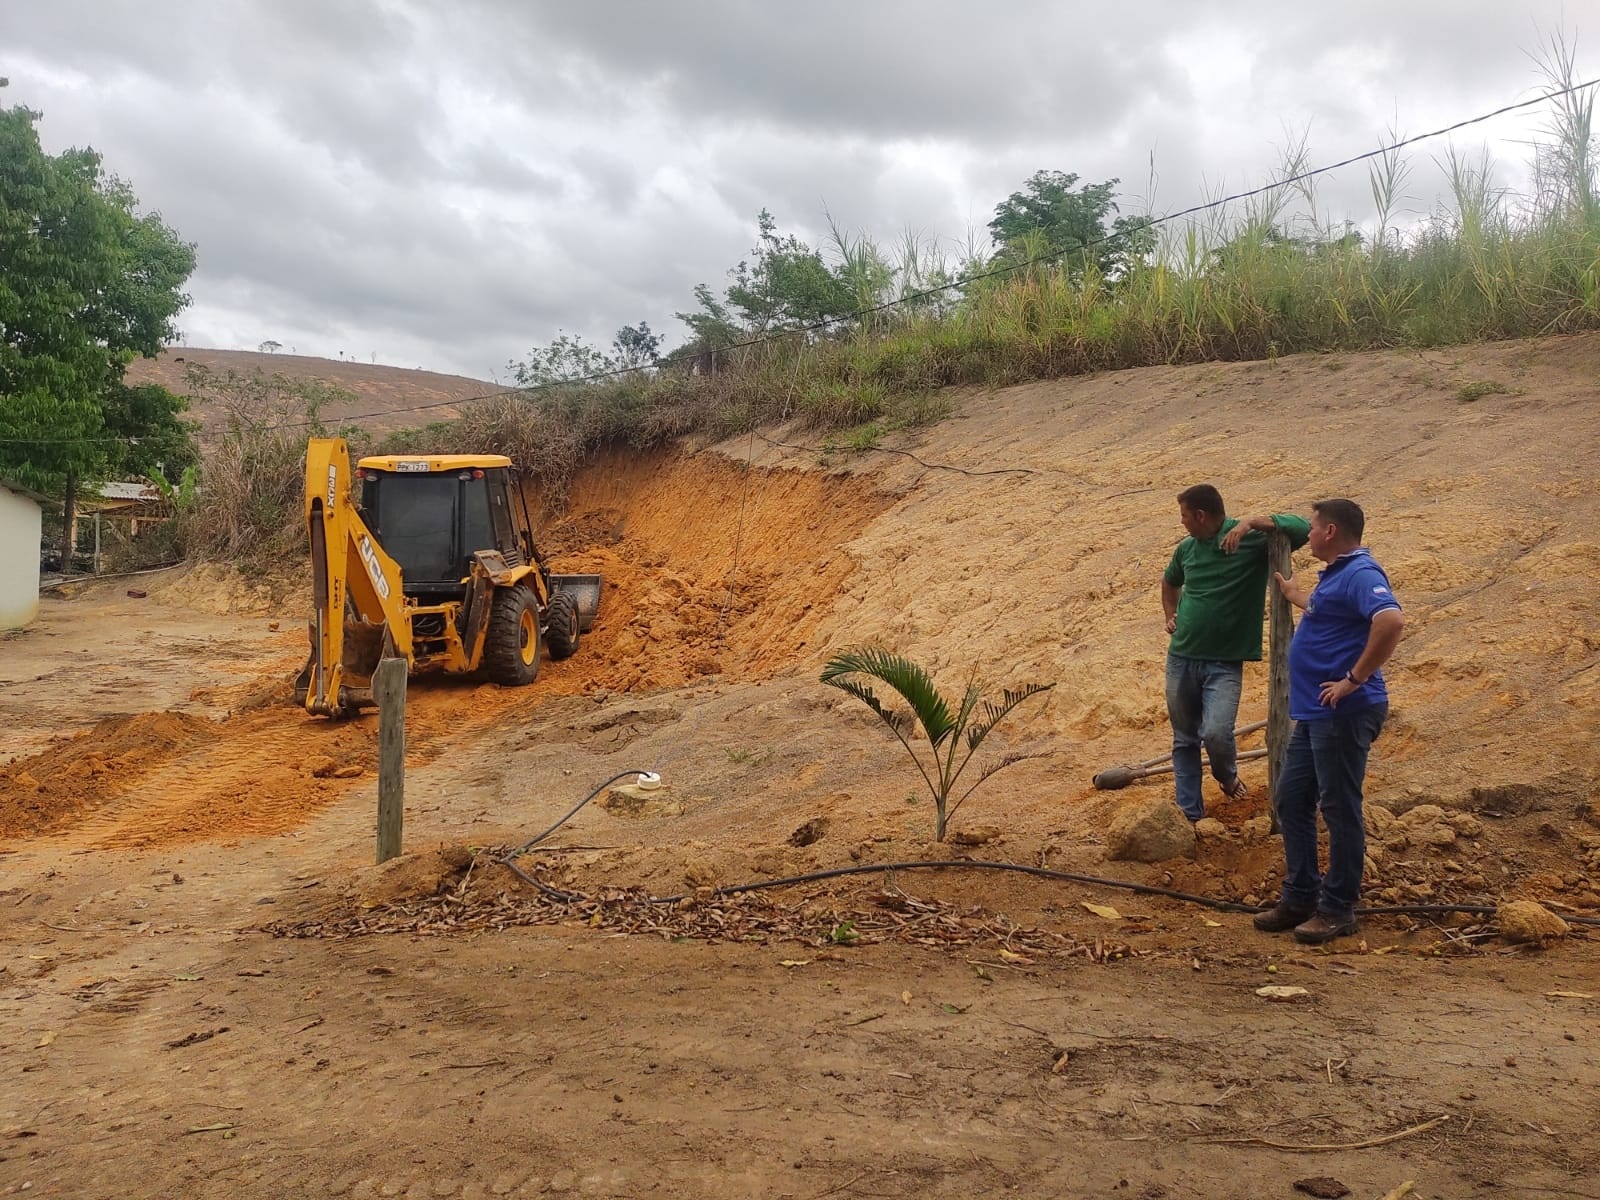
1274 277
247 503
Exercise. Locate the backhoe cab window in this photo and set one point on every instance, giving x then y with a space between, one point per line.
433 524
478 533
415 519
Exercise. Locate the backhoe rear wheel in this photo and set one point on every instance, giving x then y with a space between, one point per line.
562 628
511 647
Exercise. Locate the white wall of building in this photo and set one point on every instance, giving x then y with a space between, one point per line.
19 559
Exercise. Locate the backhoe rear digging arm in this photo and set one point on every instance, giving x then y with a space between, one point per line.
352 579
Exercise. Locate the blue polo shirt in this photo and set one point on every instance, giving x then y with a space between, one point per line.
1333 632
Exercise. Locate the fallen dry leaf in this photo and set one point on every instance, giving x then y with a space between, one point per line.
1060 1064
905 997
1213 924
46 1040
1011 956
793 962
1102 910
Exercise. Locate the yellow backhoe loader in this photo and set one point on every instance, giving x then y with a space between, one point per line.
432 560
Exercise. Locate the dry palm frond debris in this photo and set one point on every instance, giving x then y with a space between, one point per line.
470 907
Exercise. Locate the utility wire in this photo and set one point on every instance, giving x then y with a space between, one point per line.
964 281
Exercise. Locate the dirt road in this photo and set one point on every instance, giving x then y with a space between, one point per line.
197 996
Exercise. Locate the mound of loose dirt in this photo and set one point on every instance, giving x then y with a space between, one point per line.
227 591
42 792
710 566
412 876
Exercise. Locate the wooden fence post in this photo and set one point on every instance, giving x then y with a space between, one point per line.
389 688
1282 629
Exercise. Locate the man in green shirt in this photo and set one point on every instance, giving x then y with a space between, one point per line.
1214 594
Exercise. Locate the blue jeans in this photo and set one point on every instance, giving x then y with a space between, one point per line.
1203 705
1325 767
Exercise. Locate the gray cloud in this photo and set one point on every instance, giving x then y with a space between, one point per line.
448 186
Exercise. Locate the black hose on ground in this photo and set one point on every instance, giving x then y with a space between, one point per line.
1142 889
518 851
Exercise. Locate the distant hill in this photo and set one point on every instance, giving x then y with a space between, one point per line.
409 393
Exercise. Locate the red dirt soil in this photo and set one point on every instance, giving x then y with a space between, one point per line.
670 614
149 1014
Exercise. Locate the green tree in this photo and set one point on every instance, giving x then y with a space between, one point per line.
1072 225
713 328
636 346
783 284
86 285
568 359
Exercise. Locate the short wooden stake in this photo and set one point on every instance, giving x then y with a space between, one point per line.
389 688
1280 614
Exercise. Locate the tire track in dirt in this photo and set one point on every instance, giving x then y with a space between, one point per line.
252 781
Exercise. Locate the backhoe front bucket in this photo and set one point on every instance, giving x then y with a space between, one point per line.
585 589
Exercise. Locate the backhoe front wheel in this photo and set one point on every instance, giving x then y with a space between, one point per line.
511 647
562 625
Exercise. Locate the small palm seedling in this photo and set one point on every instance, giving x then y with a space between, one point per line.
953 737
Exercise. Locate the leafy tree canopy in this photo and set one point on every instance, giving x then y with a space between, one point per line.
785 284
86 285
782 284
636 346
1050 218
569 359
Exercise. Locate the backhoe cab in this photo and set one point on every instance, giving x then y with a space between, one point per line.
430 559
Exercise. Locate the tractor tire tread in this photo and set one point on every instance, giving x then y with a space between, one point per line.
562 628
502 647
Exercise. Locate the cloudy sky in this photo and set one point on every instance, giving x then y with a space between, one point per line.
445 183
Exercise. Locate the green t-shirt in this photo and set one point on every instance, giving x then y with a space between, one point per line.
1224 595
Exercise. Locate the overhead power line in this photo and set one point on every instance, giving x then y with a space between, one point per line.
964 281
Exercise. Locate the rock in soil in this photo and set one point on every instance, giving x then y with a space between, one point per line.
1151 830
1325 1187
1525 922
978 835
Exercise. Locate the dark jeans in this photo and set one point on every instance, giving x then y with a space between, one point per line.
1324 768
1203 705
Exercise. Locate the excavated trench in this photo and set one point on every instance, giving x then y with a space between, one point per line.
709 567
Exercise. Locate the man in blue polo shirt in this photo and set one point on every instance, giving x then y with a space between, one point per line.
1338 701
